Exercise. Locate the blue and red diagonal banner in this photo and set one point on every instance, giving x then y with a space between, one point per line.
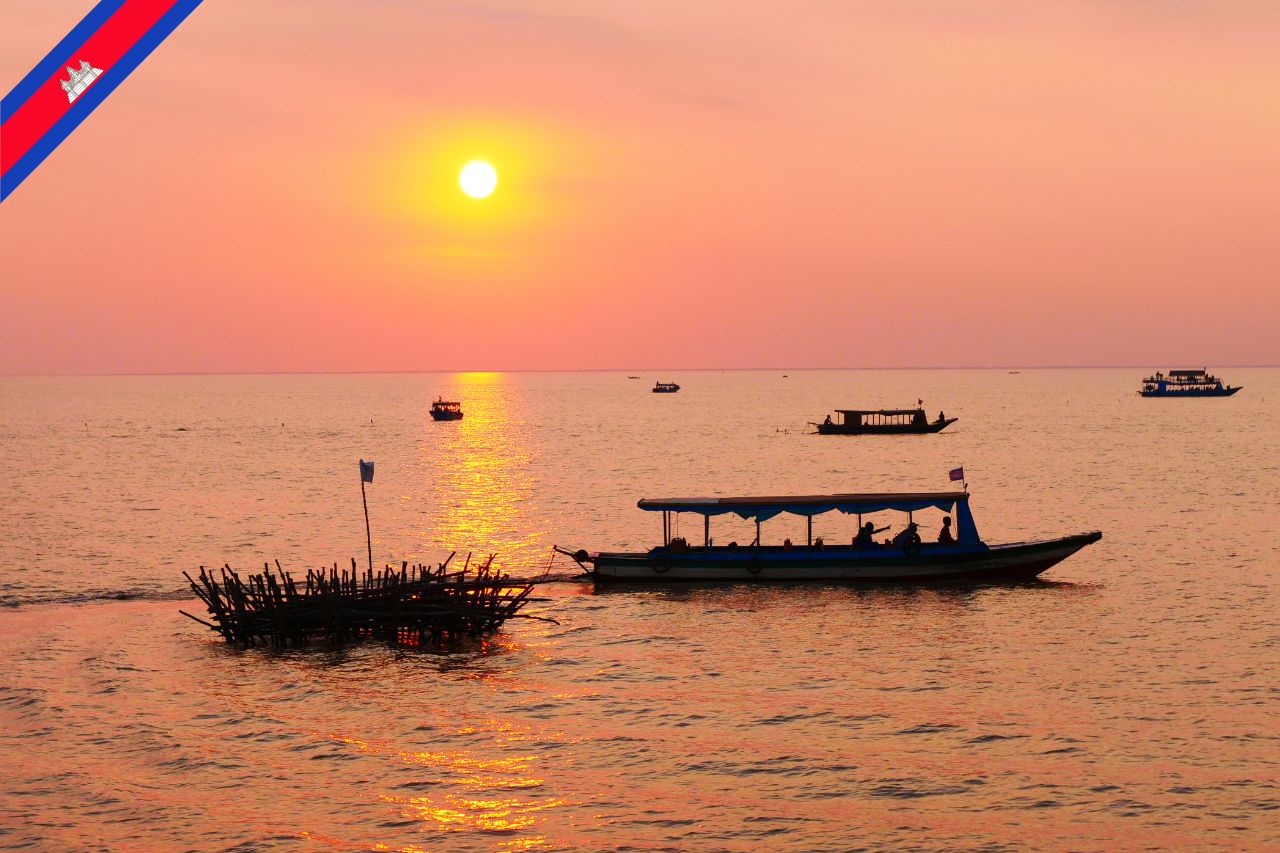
76 76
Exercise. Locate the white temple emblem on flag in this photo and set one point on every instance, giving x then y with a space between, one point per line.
80 80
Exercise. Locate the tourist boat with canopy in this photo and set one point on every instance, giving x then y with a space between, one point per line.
1186 383
882 422
906 559
666 388
446 410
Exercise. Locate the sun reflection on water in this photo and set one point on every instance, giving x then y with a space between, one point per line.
454 812
485 793
483 489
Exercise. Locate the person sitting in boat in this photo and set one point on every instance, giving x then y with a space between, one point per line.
827 422
941 417
910 532
818 544
866 535
786 544
944 535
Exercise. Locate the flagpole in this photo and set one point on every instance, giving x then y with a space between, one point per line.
368 537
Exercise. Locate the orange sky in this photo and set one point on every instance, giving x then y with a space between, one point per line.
709 184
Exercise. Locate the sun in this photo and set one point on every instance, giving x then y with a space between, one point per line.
478 179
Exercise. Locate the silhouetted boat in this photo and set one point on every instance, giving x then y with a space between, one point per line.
633 377
967 557
446 410
666 388
1186 383
882 422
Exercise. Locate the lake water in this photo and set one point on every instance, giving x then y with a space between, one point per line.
1129 701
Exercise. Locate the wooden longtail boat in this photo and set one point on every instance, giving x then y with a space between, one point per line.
882 422
908 559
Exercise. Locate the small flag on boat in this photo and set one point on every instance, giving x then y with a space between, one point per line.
956 474
366 471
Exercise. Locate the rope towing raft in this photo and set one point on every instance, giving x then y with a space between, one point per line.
412 605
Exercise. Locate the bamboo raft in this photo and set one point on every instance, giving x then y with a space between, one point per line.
411 605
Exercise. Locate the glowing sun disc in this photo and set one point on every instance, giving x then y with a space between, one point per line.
478 179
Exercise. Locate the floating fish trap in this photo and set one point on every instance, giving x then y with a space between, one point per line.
411 605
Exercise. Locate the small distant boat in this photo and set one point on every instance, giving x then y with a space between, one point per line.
1186 383
633 377
666 388
882 422
446 410
906 559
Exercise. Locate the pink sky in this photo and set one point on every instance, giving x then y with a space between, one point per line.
709 184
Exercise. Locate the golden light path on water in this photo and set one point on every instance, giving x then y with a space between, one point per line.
483 488
1127 701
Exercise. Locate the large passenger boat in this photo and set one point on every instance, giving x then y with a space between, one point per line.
1186 383
666 388
882 422
905 558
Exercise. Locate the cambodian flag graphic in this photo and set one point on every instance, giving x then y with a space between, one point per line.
76 76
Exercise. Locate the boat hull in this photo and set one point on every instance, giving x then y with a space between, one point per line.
446 416
885 429
1206 392
933 564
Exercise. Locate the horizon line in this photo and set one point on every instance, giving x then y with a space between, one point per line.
406 372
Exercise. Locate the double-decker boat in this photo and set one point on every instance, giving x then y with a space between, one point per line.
666 388
882 422
446 410
1186 383
907 558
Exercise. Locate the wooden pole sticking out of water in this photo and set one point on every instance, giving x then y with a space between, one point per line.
368 536
366 476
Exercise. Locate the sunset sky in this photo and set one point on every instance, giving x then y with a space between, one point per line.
681 184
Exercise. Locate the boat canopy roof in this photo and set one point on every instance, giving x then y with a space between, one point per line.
764 508
879 411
